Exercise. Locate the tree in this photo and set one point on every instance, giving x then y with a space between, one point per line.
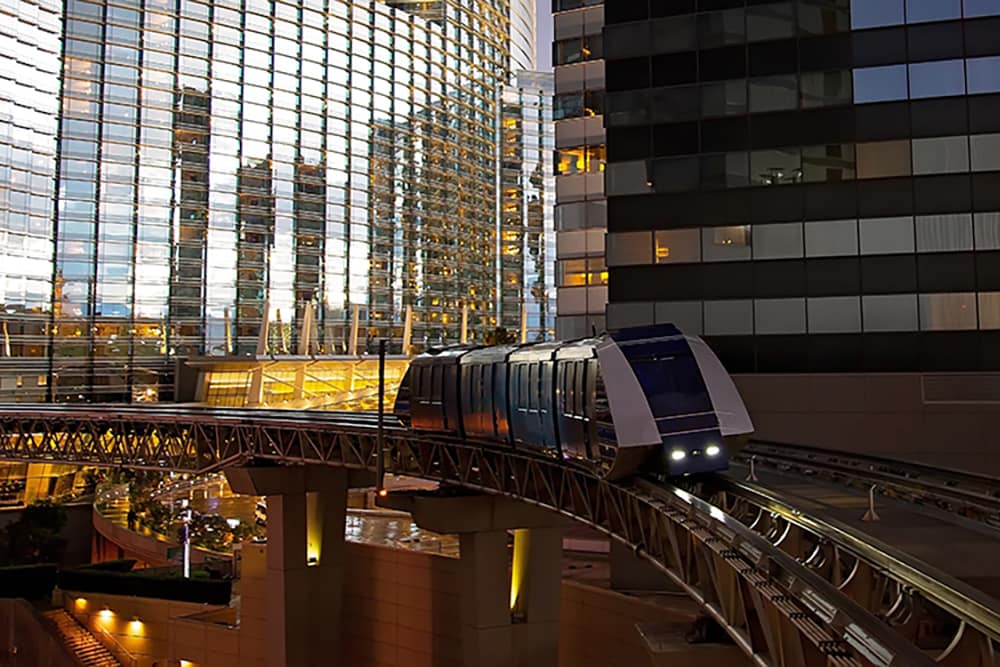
35 537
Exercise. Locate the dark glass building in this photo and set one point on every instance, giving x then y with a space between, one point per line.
814 186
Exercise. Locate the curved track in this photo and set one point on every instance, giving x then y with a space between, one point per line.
964 493
954 620
777 610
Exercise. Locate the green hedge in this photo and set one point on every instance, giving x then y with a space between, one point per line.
32 582
122 565
163 588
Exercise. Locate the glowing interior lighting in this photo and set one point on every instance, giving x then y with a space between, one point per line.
81 602
106 614
519 567
712 450
677 455
383 493
135 627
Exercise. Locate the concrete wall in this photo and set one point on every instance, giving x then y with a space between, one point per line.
143 627
947 420
401 608
597 627
25 640
401 611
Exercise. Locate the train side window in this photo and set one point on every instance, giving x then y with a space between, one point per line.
522 387
530 391
437 378
578 389
567 403
425 383
488 387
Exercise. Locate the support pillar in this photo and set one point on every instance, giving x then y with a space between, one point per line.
306 510
510 609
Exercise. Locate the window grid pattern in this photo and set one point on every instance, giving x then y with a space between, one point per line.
223 161
870 313
877 114
527 202
581 211
29 108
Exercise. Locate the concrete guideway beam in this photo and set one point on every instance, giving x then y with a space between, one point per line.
508 621
306 510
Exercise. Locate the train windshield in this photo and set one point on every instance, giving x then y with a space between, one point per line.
673 385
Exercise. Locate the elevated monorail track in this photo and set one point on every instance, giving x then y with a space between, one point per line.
899 568
966 494
779 609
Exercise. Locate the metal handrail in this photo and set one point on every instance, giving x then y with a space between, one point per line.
952 595
922 482
855 626
129 660
948 477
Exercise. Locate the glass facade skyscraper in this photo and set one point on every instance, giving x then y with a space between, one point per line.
527 197
173 169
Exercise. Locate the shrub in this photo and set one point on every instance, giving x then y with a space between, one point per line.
205 591
121 565
32 582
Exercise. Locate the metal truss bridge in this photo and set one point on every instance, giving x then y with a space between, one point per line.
781 612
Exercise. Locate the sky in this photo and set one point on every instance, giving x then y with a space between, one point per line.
544 13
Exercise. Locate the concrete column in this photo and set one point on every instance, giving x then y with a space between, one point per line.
486 637
305 559
510 613
536 607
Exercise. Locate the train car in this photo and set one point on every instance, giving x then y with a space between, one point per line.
647 399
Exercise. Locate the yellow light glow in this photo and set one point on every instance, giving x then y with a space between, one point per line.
106 614
186 663
519 566
135 627
81 602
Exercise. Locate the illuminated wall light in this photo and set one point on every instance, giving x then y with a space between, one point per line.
81 603
135 626
519 569
106 614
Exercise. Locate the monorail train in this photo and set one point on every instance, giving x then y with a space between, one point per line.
645 399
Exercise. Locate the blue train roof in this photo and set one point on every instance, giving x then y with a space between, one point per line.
640 333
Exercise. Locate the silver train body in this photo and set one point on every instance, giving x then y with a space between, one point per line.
641 400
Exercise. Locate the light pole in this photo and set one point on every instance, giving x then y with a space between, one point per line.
186 538
380 442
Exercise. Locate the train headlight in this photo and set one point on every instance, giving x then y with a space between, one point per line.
678 455
712 450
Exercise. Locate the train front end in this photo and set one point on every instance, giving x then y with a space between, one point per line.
669 404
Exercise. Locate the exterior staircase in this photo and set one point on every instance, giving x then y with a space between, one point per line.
78 639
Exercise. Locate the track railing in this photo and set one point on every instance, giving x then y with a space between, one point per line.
956 622
971 495
777 610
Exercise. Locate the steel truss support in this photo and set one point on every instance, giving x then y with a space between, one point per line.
777 610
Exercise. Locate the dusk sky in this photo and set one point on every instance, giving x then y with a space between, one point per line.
544 34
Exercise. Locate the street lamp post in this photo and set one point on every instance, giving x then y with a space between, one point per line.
380 442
